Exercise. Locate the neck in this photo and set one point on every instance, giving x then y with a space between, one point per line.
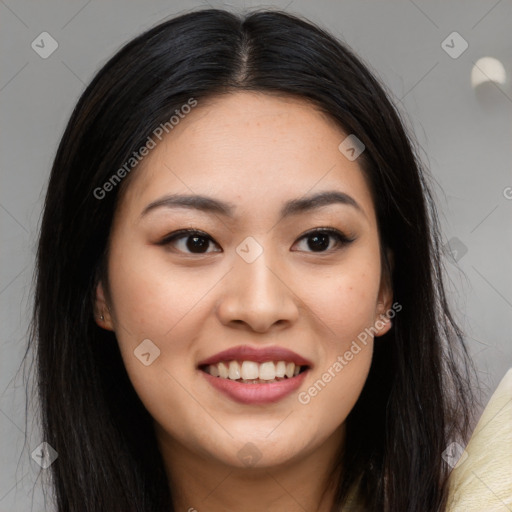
199 483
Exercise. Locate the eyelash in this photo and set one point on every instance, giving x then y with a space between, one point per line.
341 239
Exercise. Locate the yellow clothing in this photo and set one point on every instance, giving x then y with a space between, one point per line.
482 481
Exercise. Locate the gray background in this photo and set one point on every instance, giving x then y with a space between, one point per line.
465 136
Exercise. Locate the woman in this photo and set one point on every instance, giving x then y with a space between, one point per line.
239 299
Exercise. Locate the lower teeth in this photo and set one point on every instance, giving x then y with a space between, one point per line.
257 381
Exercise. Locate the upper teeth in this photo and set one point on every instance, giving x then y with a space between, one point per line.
249 370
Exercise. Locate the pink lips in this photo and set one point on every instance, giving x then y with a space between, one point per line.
258 355
256 393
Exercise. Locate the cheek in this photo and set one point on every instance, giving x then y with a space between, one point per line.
335 385
344 302
150 296
151 303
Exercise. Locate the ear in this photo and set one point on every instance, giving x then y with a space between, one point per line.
385 298
102 315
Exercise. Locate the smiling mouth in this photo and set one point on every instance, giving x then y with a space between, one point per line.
250 372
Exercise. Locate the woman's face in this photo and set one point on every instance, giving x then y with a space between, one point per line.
256 280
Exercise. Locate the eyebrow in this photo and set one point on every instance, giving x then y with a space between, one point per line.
290 208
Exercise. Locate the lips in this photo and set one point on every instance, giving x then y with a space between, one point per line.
258 391
258 355
254 394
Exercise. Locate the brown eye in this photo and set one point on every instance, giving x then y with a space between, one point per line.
319 240
189 241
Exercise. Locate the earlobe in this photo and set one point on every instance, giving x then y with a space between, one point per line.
102 315
383 324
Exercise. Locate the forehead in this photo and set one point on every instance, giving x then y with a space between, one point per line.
251 148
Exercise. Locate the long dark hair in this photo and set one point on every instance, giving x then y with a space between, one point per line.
418 396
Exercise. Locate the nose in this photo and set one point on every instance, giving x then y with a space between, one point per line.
257 296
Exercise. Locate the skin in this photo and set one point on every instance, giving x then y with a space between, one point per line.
256 151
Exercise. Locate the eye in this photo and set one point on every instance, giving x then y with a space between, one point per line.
193 240
318 240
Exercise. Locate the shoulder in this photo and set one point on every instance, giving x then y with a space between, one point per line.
482 478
